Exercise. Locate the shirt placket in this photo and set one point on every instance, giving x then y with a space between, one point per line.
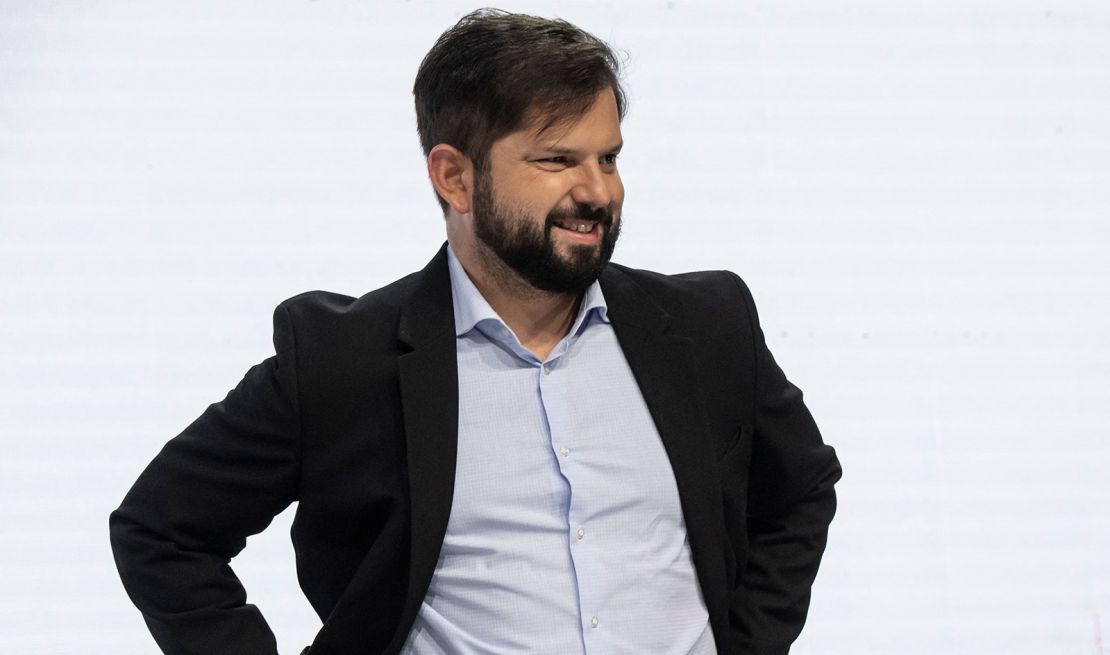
556 396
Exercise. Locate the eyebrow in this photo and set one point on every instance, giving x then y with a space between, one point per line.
556 150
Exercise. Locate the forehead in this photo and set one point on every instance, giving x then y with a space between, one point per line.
598 126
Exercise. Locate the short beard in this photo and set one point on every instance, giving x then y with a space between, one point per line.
529 251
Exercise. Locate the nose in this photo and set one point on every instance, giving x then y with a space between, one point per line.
597 187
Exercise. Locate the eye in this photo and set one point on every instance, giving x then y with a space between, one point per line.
553 163
610 159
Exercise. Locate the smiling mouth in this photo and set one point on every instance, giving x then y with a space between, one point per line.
582 227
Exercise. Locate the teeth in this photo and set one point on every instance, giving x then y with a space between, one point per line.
577 227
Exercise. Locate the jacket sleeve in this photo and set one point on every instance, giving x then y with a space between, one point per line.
790 503
222 479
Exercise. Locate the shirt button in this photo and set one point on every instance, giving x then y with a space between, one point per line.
581 532
593 622
546 369
564 451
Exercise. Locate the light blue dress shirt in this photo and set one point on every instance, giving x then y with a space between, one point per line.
566 534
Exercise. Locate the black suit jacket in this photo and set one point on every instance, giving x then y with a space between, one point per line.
355 417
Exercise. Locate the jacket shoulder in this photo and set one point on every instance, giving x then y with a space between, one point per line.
677 292
327 307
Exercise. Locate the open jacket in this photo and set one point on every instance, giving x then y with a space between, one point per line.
355 418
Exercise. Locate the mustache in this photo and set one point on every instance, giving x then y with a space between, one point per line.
602 215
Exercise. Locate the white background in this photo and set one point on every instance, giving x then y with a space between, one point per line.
917 192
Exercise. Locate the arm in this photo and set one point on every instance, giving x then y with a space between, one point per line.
790 503
222 479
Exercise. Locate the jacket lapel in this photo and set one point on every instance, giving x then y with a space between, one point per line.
661 362
428 376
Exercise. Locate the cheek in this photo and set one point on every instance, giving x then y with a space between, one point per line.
526 195
545 195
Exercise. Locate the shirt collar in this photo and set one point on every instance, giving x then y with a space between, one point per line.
471 307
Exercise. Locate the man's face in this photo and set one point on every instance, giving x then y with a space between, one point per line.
549 204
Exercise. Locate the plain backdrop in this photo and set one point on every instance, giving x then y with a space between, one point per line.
917 192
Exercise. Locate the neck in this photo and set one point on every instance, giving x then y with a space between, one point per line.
539 319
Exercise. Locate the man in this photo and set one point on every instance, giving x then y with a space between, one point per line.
520 448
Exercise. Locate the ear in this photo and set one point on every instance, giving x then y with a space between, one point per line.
452 175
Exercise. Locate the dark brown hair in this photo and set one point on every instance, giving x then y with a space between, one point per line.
494 72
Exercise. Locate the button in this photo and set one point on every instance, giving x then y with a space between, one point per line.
593 622
546 369
581 532
564 451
